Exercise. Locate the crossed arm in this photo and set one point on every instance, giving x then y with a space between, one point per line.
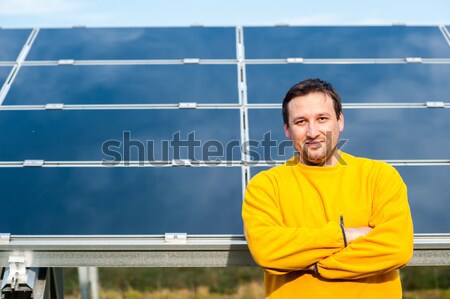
351 234
385 245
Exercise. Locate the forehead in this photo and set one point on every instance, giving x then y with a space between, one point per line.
311 103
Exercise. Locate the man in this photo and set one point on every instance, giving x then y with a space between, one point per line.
327 224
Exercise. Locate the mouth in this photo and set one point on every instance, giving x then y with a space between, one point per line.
314 143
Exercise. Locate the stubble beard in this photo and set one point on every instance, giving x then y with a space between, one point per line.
318 155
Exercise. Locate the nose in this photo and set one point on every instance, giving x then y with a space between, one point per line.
312 132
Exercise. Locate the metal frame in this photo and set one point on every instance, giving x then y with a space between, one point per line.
155 251
295 60
242 86
41 283
60 106
363 105
193 163
405 60
243 107
74 62
445 33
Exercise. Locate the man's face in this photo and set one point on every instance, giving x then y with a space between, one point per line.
314 128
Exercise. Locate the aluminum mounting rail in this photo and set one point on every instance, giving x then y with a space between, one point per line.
361 105
195 105
74 62
166 251
193 163
61 106
399 162
300 60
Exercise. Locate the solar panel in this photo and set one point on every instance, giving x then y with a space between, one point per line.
428 191
121 200
345 42
84 99
266 126
135 43
130 84
419 133
12 42
356 83
4 72
118 135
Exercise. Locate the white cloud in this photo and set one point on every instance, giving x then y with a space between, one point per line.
36 7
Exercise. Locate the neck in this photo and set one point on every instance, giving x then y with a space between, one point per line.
330 160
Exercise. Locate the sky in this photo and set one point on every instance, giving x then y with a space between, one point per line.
132 13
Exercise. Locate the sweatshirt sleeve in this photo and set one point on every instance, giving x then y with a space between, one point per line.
276 247
388 246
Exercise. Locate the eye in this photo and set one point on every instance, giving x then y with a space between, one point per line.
323 119
300 122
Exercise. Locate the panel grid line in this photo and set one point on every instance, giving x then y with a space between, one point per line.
197 163
20 59
445 33
245 135
30 63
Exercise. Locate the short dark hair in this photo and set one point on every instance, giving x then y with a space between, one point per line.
306 87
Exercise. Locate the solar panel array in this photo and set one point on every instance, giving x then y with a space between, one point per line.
155 130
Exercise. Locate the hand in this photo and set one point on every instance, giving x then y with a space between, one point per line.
311 268
355 232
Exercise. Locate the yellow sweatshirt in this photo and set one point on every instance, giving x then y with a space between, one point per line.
292 221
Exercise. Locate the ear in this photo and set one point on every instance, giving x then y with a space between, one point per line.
286 131
341 122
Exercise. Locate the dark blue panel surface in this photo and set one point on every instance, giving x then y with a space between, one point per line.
372 83
428 192
267 139
429 197
345 42
118 135
121 200
124 84
12 42
4 72
374 133
134 43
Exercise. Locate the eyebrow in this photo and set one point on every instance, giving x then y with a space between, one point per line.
324 114
316 115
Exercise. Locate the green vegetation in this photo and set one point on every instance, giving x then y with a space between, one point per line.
127 281
219 280
240 282
426 278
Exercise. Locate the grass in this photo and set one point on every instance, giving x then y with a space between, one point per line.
240 282
248 291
